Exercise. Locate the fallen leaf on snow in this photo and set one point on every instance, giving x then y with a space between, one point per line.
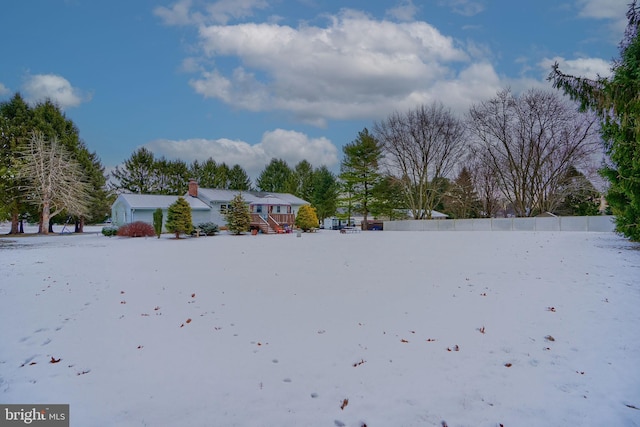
345 402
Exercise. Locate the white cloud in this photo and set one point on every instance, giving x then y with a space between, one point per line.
352 68
603 9
581 67
405 11
612 10
464 7
224 10
39 87
184 12
177 14
288 145
3 89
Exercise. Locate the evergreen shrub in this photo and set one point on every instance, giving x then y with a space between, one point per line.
307 218
109 231
179 218
208 228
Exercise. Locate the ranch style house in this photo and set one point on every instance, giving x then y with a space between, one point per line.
270 212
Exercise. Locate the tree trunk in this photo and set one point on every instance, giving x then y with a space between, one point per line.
79 225
44 219
14 223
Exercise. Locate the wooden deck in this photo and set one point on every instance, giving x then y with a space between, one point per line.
273 223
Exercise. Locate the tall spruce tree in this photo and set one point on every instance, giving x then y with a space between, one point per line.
616 102
325 193
137 174
359 169
237 216
179 218
275 177
238 179
16 120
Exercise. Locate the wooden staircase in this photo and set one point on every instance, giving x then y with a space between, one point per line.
269 225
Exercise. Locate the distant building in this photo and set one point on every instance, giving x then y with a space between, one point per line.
270 212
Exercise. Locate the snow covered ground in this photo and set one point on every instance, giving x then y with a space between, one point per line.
378 329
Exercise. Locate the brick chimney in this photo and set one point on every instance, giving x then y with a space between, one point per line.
193 188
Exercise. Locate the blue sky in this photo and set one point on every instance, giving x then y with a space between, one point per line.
244 81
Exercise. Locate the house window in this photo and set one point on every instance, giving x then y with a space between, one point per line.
277 209
223 209
259 208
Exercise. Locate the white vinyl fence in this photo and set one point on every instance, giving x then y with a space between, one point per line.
566 223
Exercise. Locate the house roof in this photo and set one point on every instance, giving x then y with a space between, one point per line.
434 214
255 197
154 201
270 200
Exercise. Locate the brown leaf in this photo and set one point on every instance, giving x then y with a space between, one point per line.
54 360
188 321
508 365
345 402
403 340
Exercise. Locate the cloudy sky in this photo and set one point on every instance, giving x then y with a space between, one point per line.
244 81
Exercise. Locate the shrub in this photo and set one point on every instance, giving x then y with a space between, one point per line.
157 222
307 218
238 216
109 231
137 229
179 218
209 228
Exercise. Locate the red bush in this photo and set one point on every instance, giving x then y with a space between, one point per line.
137 229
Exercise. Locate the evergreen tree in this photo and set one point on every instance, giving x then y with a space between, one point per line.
275 177
204 173
578 195
15 128
137 174
238 179
306 218
221 178
388 200
301 181
179 218
615 100
157 222
238 216
359 169
325 193
461 201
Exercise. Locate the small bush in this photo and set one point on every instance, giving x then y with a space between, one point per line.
109 231
209 228
137 229
307 218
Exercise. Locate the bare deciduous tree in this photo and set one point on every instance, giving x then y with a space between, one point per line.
55 180
421 147
529 143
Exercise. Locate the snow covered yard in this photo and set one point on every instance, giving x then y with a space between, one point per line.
377 329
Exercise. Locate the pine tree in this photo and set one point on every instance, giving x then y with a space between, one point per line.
359 169
179 218
275 177
325 192
238 217
306 218
615 100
